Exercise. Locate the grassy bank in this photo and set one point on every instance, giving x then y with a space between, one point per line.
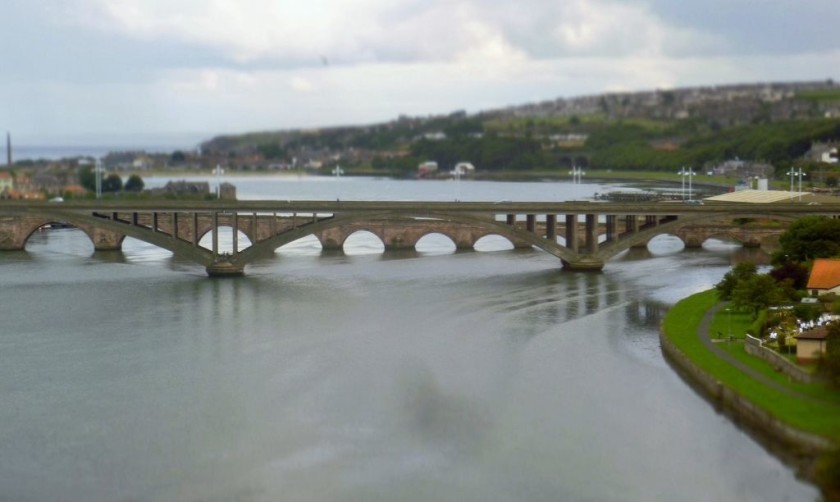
811 408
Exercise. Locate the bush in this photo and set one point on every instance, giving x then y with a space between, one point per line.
807 312
828 474
756 329
827 298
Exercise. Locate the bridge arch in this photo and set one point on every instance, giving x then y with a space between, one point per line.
100 238
109 234
307 245
493 242
472 228
435 240
227 240
363 242
679 228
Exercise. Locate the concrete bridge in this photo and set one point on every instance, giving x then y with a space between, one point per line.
583 235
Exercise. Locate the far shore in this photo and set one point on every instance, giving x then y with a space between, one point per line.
593 176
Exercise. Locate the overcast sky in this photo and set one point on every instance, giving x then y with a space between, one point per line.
73 70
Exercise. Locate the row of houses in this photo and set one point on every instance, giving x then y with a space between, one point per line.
824 279
35 187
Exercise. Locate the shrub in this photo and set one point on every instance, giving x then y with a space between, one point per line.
757 327
807 312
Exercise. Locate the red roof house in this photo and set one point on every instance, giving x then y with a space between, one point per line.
825 276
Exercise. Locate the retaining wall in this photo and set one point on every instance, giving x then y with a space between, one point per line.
755 347
793 441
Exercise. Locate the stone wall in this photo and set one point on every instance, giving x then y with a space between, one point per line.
755 347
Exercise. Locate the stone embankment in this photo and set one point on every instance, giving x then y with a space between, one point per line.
797 446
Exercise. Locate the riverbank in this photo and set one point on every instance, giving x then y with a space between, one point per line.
716 184
798 422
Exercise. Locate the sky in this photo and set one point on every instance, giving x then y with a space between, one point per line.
187 70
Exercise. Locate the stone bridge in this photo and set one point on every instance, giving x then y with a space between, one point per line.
583 235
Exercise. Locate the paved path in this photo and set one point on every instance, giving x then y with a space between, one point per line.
703 334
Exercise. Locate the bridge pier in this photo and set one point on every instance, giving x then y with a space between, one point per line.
583 264
223 267
693 243
104 240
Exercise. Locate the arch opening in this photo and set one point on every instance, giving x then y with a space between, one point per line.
136 250
665 244
493 242
721 243
305 246
435 244
363 242
225 240
59 238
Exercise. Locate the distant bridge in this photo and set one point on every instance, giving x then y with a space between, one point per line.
583 235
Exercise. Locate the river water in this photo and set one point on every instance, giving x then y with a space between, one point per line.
427 375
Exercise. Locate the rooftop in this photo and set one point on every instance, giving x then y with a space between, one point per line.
770 196
825 274
818 333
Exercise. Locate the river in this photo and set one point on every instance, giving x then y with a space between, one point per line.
363 375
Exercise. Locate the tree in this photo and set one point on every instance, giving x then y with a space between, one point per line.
808 238
756 293
87 178
795 272
112 183
740 272
134 184
830 361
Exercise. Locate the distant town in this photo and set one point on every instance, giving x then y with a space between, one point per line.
746 132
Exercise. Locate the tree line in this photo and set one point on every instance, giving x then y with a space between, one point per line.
111 183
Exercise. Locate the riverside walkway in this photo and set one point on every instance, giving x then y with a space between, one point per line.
704 333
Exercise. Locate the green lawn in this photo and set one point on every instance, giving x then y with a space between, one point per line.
820 95
680 326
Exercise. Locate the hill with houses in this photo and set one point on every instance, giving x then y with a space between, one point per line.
770 123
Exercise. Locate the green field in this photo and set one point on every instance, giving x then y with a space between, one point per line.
822 95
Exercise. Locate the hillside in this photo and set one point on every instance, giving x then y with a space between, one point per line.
775 124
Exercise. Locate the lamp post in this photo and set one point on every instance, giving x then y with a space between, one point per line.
791 179
686 173
728 324
219 172
797 172
576 173
98 168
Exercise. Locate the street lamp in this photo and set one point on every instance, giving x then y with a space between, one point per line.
576 173
797 172
686 173
98 169
219 172
728 324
